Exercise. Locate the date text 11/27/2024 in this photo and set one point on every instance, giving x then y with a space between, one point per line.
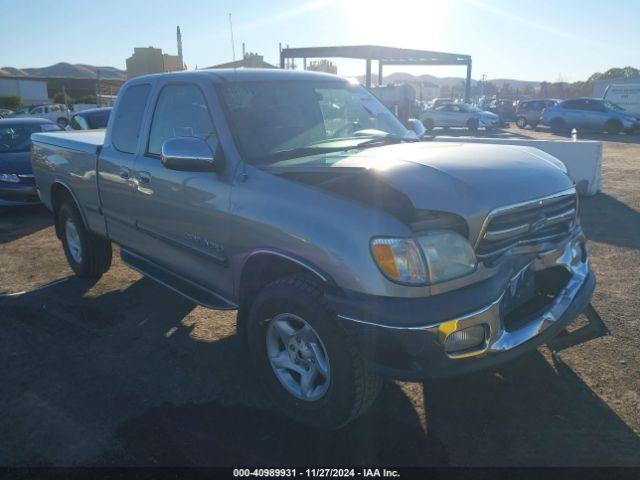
315 472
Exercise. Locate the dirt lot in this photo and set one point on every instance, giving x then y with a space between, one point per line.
125 372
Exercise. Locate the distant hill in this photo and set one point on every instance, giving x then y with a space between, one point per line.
64 69
442 81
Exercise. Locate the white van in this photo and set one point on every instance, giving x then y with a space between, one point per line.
626 95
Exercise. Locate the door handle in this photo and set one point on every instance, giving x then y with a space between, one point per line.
124 173
144 178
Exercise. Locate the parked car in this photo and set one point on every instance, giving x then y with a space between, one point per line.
350 248
593 114
436 102
5 112
91 119
503 108
57 112
17 186
458 115
530 111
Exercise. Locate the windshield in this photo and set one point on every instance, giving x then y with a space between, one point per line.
612 106
98 119
303 117
17 138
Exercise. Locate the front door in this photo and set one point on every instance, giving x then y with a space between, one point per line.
184 214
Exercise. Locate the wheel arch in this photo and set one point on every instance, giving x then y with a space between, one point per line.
265 266
60 191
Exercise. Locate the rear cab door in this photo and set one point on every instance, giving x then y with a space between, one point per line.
115 165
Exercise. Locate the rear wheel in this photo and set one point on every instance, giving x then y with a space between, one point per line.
613 127
558 126
429 124
473 124
521 122
89 256
309 366
62 122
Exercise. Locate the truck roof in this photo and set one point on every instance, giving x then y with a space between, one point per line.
224 75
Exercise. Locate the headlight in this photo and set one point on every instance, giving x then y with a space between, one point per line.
9 178
399 259
448 255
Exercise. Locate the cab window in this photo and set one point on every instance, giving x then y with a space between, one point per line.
181 111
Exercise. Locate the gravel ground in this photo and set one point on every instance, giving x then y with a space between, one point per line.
125 372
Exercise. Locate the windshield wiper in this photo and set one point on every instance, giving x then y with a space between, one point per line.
297 152
386 140
317 150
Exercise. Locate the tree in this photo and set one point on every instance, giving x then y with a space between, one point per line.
59 98
624 72
12 103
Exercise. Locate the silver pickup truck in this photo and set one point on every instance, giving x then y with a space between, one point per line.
351 249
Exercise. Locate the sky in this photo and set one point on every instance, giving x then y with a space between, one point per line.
521 39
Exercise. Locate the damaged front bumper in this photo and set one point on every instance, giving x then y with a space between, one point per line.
525 305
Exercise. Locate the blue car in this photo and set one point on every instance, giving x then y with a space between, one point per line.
17 185
592 114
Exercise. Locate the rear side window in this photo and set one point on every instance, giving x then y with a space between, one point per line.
126 127
572 105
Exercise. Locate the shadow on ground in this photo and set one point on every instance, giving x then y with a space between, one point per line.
138 377
608 220
633 138
18 222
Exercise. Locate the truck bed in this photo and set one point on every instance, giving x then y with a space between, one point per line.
69 159
86 141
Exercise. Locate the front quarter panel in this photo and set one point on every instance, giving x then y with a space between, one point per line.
328 232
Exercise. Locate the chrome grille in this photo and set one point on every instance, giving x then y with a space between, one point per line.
529 223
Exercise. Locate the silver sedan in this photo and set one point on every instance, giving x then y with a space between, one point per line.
459 115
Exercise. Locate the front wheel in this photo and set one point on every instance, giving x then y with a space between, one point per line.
309 366
521 122
89 256
62 122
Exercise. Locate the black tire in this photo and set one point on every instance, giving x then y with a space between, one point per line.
429 124
613 127
62 122
95 251
473 124
352 388
558 126
521 122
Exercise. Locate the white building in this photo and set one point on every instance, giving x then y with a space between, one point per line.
32 92
599 86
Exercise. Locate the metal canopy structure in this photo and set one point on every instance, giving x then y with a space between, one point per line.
384 56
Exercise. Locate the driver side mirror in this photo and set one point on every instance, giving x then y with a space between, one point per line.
189 154
417 126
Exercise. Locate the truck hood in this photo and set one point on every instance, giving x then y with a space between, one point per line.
15 162
469 180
